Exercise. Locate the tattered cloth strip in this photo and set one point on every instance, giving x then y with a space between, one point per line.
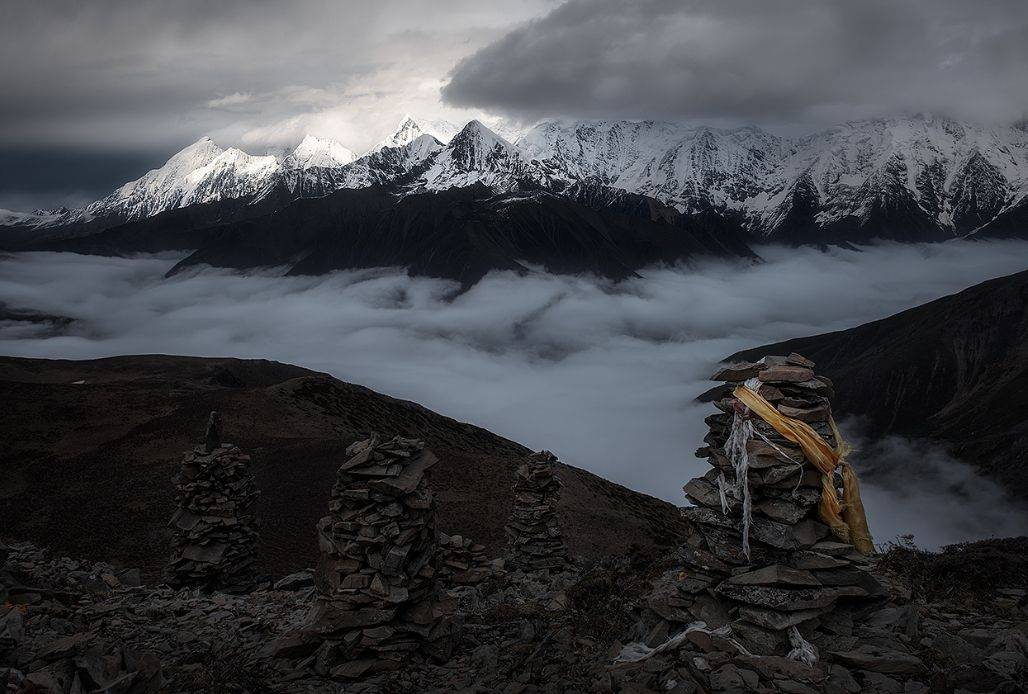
803 651
735 448
854 528
637 651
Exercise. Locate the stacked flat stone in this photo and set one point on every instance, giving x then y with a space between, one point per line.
214 528
533 531
795 570
464 562
378 602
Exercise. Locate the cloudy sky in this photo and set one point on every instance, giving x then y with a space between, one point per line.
96 92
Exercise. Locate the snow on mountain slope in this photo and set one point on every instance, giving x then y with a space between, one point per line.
477 155
11 218
202 172
319 152
688 166
918 178
951 175
389 163
943 176
411 128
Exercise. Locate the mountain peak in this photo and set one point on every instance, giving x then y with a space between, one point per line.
475 155
323 152
188 159
411 128
476 134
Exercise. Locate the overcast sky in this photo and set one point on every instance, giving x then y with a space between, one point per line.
117 85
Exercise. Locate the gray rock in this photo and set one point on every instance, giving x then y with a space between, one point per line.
296 581
878 660
727 678
840 680
780 599
877 682
775 575
737 373
775 620
786 373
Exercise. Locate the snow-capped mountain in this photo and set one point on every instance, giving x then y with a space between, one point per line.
389 164
411 128
319 152
691 167
915 178
202 172
905 178
477 155
939 175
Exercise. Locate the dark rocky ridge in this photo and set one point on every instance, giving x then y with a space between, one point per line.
86 468
459 233
954 370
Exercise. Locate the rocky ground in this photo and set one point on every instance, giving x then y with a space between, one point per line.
653 599
955 621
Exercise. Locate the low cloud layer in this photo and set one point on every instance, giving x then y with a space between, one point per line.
750 60
916 488
604 375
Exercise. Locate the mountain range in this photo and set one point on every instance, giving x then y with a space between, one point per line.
907 179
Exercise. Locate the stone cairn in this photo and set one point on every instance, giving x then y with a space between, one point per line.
378 602
215 526
533 531
792 572
464 562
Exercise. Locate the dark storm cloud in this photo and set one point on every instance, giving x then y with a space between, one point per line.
755 60
121 73
48 177
137 77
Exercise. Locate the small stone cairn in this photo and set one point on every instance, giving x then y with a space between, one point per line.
215 526
533 531
462 561
378 601
794 572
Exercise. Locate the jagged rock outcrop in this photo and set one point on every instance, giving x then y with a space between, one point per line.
378 602
215 526
533 531
763 562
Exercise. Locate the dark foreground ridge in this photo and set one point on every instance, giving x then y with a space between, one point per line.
70 618
763 590
954 370
90 449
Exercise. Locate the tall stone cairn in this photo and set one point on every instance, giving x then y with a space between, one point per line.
378 602
215 526
533 531
796 571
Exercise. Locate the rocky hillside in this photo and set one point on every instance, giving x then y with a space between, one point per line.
604 590
954 370
90 449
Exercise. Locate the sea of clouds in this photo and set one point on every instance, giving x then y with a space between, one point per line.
603 374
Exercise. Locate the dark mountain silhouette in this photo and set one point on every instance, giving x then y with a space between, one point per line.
954 370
